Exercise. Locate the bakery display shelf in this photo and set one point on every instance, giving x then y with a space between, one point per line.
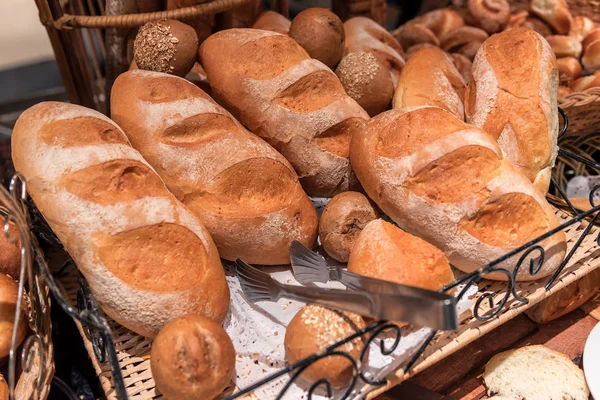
122 358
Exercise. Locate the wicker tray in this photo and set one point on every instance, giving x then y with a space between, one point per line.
134 350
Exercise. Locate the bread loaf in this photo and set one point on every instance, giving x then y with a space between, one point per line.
343 218
364 34
569 69
554 12
292 101
448 183
512 375
512 96
430 78
321 33
440 22
489 15
384 251
192 358
10 252
245 193
272 21
8 307
565 46
312 330
146 257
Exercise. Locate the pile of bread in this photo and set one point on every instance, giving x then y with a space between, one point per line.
461 29
149 201
10 267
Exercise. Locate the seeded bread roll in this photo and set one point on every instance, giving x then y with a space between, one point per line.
192 358
581 27
343 218
569 69
367 81
272 21
463 64
364 34
512 96
294 102
565 46
554 12
145 256
489 15
313 329
10 253
8 307
249 199
167 46
321 33
417 87
449 183
440 22
384 251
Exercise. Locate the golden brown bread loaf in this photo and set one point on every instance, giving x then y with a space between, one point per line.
566 299
440 22
364 34
367 81
489 15
192 358
295 103
523 19
512 96
272 21
321 33
343 218
10 253
384 251
167 46
565 46
554 12
146 257
449 183
569 69
313 329
430 78
581 27
245 193
8 307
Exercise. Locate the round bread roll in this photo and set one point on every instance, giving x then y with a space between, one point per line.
463 64
589 39
384 251
512 375
440 22
412 34
10 253
569 69
341 222
565 46
489 15
581 27
591 56
321 33
272 21
563 91
192 358
313 329
586 82
367 81
523 19
167 46
3 388
8 308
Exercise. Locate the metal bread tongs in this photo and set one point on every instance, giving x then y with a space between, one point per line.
417 306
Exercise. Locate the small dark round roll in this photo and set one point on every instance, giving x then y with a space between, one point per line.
167 46
313 329
192 358
343 219
321 33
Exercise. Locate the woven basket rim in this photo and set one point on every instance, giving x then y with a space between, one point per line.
580 98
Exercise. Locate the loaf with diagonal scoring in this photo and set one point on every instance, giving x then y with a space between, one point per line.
297 104
244 192
145 256
449 183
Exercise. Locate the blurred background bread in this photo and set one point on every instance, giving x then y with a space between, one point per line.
272 21
8 307
10 252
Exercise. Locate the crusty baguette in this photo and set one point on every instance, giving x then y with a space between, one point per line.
364 34
448 182
535 372
512 96
430 78
295 103
146 257
244 192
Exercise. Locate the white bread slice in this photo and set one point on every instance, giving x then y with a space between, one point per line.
535 373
